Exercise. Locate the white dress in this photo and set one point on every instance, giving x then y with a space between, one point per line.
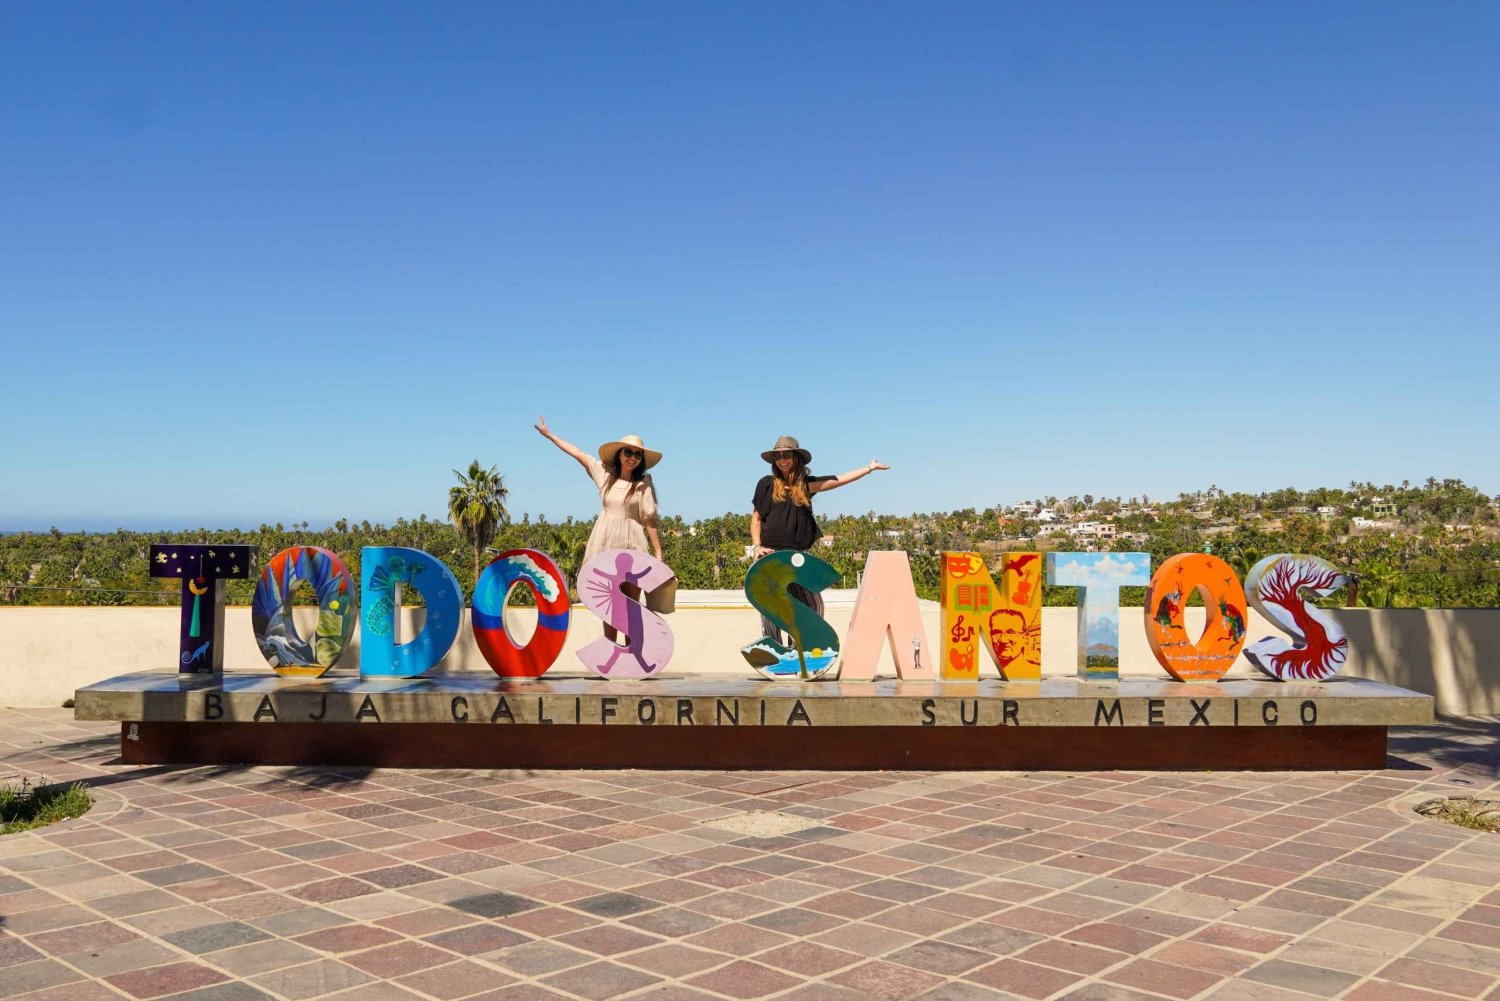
627 509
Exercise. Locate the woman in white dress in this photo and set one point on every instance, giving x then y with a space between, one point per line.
627 518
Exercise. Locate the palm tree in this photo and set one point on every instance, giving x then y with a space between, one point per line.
567 547
477 507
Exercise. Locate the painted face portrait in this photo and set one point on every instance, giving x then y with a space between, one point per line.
1008 635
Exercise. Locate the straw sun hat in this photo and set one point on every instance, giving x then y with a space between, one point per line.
608 449
786 443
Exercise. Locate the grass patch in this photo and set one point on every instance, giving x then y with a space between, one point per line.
1465 811
25 806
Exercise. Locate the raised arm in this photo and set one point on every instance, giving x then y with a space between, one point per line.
849 477
562 443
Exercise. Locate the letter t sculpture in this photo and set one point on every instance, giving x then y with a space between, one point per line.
203 570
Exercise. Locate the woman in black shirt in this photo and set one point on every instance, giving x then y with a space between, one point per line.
781 513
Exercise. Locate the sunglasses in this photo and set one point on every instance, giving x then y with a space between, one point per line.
783 455
633 453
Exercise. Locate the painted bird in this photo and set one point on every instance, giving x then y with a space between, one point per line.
1234 621
1169 608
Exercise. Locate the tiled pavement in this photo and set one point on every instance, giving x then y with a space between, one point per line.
223 884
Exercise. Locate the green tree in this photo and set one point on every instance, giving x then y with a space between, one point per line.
477 506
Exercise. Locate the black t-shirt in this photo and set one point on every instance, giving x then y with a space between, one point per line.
785 525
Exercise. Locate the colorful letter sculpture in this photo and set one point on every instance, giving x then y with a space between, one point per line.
1098 578
383 569
203 570
1005 620
1319 647
815 646
886 609
649 643
538 573
1224 632
271 611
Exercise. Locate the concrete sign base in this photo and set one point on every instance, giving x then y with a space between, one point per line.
481 721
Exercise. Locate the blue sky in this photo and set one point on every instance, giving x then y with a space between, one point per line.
283 262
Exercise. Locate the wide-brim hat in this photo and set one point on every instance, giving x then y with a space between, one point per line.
786 443
608 449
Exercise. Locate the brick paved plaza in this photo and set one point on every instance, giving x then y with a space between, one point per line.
222 884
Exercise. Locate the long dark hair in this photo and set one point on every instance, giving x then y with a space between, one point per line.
795 484
615 472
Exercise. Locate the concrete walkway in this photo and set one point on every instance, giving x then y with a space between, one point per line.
216 884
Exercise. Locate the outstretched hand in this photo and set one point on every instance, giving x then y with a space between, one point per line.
541 426
877 464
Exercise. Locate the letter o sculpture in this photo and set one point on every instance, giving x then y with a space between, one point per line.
1213 653
541 575
271 611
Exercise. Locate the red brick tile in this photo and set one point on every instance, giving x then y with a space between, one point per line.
608 940
848 905
255 905
880 979
1163 978
1025 979
728 876
918 919
1379 990
1474 934
1114 936
145 860
737 939
1226 889
675 960
744 979
548 921
93 937
1485 914
91 991
1152 875
601 981
1244 939
338 888
1419 973
388 961
1037 920
170 979
1390 917
471 940
1200 956
455 980
1072 956
347 938
808 958
216 888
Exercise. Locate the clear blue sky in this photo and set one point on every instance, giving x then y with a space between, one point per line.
275 262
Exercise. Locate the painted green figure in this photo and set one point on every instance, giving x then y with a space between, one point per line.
815 646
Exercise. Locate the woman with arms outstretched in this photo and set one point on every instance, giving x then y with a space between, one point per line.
781 515
627 519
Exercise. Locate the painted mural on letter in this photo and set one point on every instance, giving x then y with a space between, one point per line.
538 573
271 611
1004 619
1319 646
1213 652
382 570
815 646
648 643
1098 578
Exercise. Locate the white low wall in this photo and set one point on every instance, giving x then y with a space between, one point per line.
47 653
1450 653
